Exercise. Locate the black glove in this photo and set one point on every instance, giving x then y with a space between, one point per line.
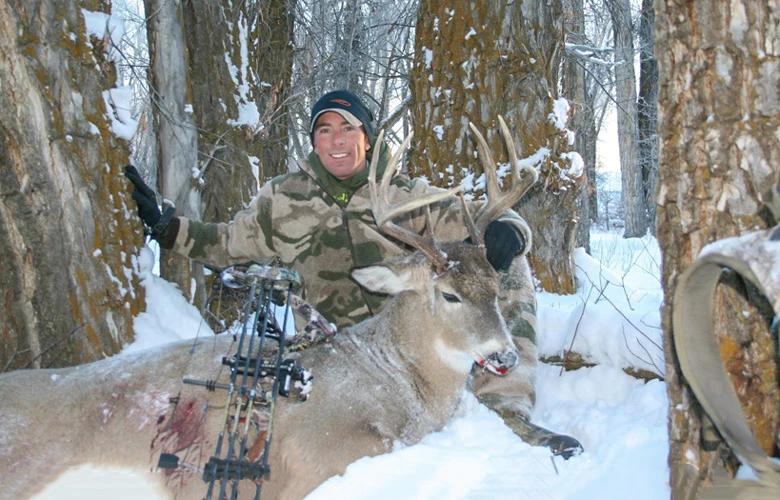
144 197
148 210
502 243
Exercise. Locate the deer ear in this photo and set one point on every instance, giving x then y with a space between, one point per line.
383 279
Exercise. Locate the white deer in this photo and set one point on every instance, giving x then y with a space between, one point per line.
394 377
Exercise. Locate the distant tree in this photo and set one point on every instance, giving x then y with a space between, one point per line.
720 154
365 46
628 138
583 122
647 113
177 138
474 62
68 289
588 53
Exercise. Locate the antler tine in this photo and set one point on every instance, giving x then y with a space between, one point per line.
392 167
384 212
474 234
488 165
389 212
527 175
522 179
510 147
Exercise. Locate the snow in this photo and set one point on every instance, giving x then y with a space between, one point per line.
118 111
89 482
248 113
560 113
169 316
576 163
620 420
427 57
100 24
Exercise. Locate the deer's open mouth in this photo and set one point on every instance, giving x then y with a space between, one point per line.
499 363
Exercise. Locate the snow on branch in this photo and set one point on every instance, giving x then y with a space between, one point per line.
595 55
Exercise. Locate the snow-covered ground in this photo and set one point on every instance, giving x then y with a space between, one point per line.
613 321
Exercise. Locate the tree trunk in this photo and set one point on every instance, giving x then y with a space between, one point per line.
349 46
177 140
583 122
625 86
240 85
69 239
477 60
719 154
647 111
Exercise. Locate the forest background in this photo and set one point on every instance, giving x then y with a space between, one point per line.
221 93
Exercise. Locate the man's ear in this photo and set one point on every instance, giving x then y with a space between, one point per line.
383 279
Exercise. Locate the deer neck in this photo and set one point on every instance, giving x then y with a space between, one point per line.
439 373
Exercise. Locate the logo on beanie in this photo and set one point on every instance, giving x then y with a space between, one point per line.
343 102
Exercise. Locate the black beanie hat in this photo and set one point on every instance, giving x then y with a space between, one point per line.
347 105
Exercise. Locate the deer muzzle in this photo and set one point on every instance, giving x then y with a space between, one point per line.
499 363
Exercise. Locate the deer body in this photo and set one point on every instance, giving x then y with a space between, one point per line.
394 377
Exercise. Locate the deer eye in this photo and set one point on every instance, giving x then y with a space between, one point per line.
450 297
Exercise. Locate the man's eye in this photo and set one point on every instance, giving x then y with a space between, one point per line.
450 297
349 128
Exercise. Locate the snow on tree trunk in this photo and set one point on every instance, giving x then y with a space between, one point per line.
177 139
240 85
628 138
474 61
69 231
718 117
647 107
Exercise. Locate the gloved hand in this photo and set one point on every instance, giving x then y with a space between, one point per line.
502 243
144 197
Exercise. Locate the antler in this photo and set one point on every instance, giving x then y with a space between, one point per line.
499 201
384 211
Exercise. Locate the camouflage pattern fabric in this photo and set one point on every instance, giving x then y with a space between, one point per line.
296 218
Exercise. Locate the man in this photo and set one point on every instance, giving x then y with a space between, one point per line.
318 221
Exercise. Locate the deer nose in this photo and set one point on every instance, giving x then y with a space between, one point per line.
501 363
508 359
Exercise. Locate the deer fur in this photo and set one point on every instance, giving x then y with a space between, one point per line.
392 378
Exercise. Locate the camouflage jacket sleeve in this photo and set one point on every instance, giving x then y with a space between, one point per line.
246 238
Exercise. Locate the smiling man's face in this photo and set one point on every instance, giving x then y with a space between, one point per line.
341 146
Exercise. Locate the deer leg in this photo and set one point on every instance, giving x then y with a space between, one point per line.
559 444
512 397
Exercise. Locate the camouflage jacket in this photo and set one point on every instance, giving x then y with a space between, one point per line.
298 218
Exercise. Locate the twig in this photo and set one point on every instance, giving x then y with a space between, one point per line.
55 344
577 327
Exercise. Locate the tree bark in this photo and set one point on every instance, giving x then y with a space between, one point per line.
583 121
647 111
69 233
625 86
240 85
477 60
719 154
177 140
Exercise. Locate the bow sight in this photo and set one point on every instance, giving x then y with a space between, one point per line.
258 374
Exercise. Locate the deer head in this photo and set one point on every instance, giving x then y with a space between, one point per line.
458 285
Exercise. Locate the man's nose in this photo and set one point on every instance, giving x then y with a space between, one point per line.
339 137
